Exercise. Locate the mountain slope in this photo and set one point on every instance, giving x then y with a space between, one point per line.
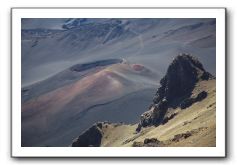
194 127
187 118
84 93
76 72
152 42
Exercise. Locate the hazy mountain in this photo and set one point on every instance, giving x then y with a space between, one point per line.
47 51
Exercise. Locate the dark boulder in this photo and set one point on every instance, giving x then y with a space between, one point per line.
202 95
153 142
181 136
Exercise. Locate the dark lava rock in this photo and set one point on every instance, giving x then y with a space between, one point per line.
182 75
181 136
186 103
176 89
153 142
90 138
153 116
202 95
206 76
99 124
189 101
139 127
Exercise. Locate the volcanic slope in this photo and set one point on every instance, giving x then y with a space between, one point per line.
57 109
185 118
152 42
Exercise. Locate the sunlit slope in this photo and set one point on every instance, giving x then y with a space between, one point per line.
194 126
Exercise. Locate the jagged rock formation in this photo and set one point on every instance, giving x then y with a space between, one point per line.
176 89
182 75
185 83
154 116
90 138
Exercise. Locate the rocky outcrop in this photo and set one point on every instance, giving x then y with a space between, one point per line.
154 116
90 138
182 75
153 142
189 101
185 135
176 89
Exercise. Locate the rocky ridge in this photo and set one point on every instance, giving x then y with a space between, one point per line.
175 91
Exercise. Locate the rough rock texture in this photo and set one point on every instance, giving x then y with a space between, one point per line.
181 136
185 135
167 118
176 89
90 138
154 116
153 142
182 75
189 101
170 98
